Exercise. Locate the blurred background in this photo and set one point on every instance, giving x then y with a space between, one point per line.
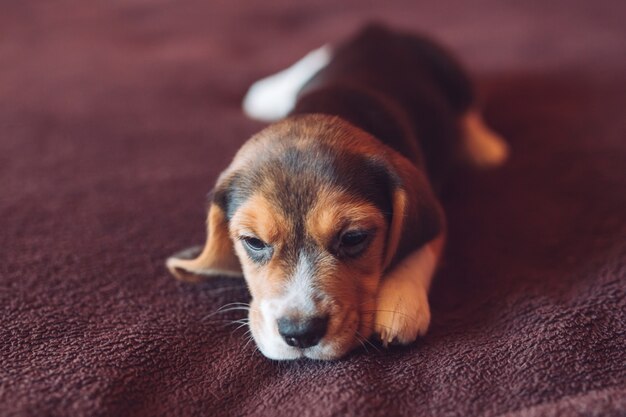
116 116
120 94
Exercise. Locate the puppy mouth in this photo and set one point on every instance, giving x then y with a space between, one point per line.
341 337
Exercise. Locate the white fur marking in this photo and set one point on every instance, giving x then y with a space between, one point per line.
272 98
484 147
269 341
298 298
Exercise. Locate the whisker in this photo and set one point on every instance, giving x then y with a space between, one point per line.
226 310
247 334
253 351
239 327
368 342
250 339
358 338
236 303
244 320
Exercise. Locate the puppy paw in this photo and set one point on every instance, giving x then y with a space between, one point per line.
402 311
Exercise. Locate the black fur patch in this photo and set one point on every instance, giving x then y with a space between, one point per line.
404 89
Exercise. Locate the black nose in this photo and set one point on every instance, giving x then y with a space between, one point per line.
302 332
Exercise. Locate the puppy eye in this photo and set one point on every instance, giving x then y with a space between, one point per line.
254 243
351 239
258 251
352 243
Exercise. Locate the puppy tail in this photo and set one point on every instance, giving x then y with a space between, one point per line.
482 147
272 98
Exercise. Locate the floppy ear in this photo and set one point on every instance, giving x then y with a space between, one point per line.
417 217
217 257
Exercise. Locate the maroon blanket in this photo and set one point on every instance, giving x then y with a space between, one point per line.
117 116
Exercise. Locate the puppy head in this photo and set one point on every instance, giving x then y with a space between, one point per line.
315 210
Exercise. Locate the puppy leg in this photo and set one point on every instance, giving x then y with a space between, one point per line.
272 98
483 147
402 311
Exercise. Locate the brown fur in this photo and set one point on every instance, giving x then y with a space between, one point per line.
291 207
331 210
351 300
217 256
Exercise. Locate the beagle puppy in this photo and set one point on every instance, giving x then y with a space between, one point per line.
330 213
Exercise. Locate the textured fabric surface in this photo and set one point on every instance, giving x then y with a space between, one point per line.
117 116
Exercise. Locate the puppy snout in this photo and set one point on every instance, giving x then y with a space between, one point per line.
302 332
